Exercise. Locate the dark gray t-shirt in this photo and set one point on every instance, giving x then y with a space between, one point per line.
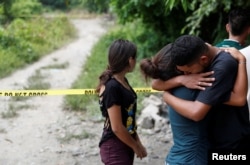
228 124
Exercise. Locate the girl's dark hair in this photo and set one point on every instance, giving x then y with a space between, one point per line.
160 66
118 59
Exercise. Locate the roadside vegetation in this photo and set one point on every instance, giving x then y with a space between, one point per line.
26 35
26 41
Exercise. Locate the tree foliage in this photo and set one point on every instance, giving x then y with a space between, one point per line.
175 17
12 9
56 3
6 6
97 6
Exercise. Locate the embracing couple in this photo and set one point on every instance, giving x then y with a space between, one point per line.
205 88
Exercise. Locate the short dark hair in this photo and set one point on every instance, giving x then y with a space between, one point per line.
239 20
187 48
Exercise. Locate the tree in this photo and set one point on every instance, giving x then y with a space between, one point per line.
175 17
61 4
6 5
12 9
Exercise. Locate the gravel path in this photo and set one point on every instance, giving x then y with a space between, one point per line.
34 136
44 134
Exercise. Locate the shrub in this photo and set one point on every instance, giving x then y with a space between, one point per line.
62 4
23 9
25 41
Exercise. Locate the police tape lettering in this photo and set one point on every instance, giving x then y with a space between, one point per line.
49 92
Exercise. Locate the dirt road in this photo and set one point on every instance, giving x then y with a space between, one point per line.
41 133
33 137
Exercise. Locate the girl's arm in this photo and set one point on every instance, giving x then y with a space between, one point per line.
138 140
192 81
121 132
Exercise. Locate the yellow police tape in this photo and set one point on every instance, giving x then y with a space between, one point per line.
50 92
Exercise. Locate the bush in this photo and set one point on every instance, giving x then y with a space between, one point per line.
12 9
23 9
8 62
25 41
96 6
61 4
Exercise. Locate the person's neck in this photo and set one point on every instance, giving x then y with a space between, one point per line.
213 52
121 79
241 38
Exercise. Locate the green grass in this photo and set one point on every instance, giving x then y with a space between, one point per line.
36 81
94 65
14 107
70 136
10 113
57 66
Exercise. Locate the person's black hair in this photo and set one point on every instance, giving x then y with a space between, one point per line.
239 20
187 49
118 59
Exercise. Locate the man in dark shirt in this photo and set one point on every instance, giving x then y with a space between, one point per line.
229 126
